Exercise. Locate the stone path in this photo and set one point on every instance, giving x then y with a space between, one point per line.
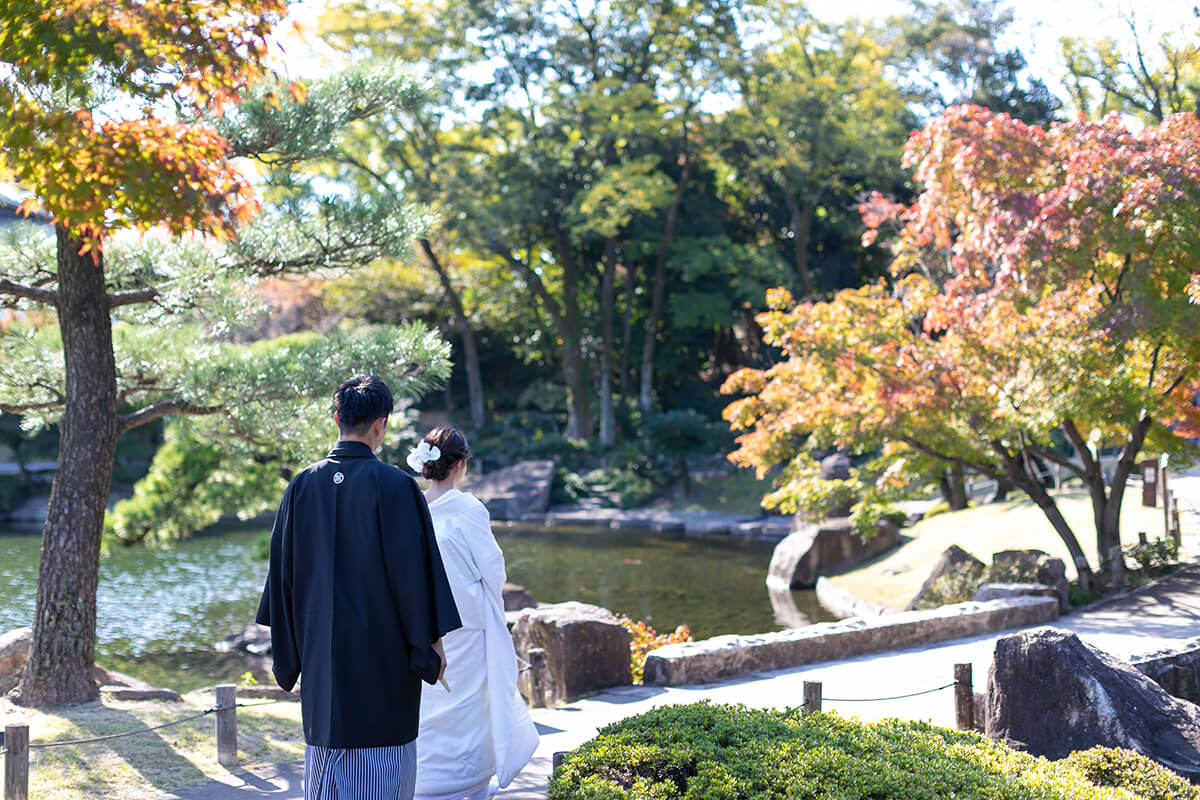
1161 615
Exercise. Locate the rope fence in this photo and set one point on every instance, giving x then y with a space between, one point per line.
16 744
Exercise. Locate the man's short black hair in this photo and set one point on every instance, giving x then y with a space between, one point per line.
360 401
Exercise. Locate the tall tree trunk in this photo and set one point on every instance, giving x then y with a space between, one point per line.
627 332
801 224
953 484
1037 492
579 411
470 351
608 422
1106 501
660 284
61 658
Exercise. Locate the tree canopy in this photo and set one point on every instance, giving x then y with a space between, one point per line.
1037 299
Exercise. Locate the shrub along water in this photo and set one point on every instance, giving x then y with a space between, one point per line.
711 752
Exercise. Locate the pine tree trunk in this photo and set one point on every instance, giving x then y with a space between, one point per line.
61 658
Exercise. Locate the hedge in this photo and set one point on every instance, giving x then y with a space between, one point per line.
714 752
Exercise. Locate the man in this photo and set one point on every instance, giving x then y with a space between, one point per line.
358 601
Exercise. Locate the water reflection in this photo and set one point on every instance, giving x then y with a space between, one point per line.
160 611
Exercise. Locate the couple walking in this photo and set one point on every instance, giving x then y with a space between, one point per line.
375 588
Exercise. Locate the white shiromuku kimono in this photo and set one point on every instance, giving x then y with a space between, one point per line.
480 728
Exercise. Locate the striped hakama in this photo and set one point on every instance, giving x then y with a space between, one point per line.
360 773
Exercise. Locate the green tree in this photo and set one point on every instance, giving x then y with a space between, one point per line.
952 56
1026 310
1149 79
818 123
110 117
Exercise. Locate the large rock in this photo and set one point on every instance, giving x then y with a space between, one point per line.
517 597
832 546
512 492
14 649
1050 694
729 656
1176 670
584 649
954 577
254 639
1031 566
836 467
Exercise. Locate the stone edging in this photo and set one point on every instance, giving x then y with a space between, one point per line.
687 523
729 656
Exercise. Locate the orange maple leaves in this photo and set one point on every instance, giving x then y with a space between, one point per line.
76 69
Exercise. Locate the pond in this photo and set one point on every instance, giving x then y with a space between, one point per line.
161 611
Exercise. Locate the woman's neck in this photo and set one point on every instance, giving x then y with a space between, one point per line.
438 488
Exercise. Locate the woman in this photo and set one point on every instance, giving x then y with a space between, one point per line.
475 732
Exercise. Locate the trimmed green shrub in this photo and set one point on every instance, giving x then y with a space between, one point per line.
1108 766
711 752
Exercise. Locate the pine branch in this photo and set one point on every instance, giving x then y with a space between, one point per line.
132 296
127 422
45 296
21 408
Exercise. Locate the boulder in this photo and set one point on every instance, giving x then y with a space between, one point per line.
111 679
14 649
1176 670
512 492
254 639
953 567
582 649
842 602
1051 694
832 546
1000 591
516 597
836 467
1031 566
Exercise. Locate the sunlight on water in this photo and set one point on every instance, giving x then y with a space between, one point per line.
160 611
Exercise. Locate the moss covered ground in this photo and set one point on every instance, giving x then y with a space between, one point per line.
149 765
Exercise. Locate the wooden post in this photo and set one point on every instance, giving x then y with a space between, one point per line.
557 759
1150 482
227 725
1165 491
16 762
1142 538
964 698
1176 531
812 697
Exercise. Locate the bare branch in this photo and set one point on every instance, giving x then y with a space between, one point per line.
132 296
127 422
45 296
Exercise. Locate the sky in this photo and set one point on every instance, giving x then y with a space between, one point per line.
1037 27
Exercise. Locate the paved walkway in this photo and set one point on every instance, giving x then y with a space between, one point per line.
1157 616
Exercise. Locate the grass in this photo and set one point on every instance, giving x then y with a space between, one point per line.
153 764
894 578
739 492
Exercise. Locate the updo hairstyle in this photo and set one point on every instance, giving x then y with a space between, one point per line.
454 449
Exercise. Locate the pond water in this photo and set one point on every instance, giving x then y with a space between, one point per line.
160 611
